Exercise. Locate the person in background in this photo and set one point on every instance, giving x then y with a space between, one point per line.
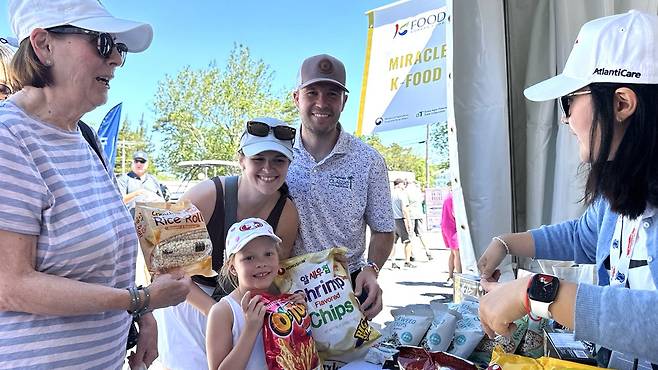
449 233
403 221
609 99
138 185
264 155
416 213
7 81
339 183
67 242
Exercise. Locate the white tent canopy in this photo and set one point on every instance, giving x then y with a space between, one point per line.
518 166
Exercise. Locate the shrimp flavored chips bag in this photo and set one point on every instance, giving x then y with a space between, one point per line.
287 335
337 324
174 235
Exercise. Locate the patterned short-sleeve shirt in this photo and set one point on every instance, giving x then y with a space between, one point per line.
338 196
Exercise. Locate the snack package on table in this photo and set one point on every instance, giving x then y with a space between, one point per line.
505 361
174 235
532 344
409 325
468 332
337 324
287 335
442 328
417 358
482 353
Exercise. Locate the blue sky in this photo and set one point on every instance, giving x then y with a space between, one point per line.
282 33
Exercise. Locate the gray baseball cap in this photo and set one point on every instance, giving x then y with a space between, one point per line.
141 155
321 68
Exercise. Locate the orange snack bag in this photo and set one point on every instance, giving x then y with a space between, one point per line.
287 335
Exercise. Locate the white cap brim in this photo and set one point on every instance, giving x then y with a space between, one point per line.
263 146
554 88
243 243
136 35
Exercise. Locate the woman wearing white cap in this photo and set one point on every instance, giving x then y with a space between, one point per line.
265 153
609 96
67 244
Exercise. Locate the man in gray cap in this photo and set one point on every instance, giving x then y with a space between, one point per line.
138 185
339 183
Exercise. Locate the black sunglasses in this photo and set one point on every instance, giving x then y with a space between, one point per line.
140 161
262 129
5 91
104 41
565 101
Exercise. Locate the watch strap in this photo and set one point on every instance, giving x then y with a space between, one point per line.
535 309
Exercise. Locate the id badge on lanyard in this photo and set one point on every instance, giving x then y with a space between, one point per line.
621 249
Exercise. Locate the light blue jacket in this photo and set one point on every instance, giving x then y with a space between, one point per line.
621 319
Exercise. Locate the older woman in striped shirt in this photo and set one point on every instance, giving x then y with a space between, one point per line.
67 244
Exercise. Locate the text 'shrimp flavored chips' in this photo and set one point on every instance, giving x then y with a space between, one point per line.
337 323
287 335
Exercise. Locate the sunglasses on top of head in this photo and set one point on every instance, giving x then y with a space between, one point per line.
104 41
262 129
565 101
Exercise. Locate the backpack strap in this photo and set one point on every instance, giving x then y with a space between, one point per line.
90 138
216 226
231 202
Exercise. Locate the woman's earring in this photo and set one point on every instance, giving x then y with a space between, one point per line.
48 63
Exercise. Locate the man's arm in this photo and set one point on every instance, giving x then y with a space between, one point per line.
380 247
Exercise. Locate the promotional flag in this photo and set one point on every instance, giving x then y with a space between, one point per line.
108 133
404 79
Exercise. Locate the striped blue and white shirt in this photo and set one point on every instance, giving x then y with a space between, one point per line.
54 186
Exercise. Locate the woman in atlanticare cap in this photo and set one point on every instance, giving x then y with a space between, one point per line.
67 244
265 153
609 97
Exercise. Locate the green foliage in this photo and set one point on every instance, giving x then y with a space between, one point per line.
399 158
439 141
201 113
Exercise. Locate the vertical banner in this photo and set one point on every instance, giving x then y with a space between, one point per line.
404 81
108 133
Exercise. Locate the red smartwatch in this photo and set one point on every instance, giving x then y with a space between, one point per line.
542 291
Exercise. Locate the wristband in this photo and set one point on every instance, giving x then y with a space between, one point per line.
498 238
373 266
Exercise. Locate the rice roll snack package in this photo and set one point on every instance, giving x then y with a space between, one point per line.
337 324
442 328
174 235
287 335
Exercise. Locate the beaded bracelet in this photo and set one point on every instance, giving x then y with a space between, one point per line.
502 242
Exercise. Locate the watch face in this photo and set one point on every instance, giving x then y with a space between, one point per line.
543 288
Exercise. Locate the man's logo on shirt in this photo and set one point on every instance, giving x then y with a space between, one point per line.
341 182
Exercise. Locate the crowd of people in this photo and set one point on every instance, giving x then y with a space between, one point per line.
67 293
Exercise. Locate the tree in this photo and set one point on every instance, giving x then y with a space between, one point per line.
201 113
399 158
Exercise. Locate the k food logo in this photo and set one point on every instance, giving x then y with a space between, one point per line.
419 23
616 72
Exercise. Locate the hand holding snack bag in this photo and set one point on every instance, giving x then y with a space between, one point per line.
337 324
287 334
174 235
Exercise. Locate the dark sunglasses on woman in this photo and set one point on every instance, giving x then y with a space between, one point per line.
565 101
104 41
262 129
5 91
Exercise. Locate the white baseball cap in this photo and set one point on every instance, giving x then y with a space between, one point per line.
251 144
245 231
621 48
27 15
